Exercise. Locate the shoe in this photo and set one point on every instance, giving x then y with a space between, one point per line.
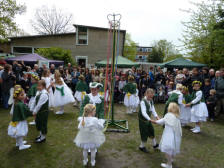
59 112
32 123
37 138
22 147
93 163
24 142
143 149
40 140
85 162
164 165
196 131
156 146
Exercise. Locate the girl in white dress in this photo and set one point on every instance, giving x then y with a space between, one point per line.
18 127
199 111
90 135
62 94
171 138
185 112
49 82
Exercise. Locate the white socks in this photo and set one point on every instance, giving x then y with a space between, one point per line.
93 156
142 145
154 143
62 108
42 136
19 140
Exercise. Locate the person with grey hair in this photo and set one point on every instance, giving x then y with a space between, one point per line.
219 87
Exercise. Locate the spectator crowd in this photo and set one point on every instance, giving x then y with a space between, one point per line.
157 78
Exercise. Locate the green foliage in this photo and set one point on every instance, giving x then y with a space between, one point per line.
163 50
204 33
8 10
56 53
130 49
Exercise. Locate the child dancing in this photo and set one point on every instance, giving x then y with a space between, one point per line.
131 99
81 89
40 110
185 112
18 127
62 94
145 126
199 111
171 138
90 135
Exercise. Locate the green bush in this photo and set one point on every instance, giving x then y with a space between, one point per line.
56 53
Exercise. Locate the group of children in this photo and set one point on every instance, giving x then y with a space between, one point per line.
181 108
41 97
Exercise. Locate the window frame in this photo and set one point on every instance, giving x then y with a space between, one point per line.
77 35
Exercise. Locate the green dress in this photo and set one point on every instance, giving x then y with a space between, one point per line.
42 116
145 126
32 91
130 88
172 99
99 107
81 86
21 112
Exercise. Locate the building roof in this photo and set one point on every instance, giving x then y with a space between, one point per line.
93 27
43 35
62 34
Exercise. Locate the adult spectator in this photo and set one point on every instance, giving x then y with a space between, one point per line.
212 77
52 68
151 73
8 80
219 87
160 78
1 71
195 77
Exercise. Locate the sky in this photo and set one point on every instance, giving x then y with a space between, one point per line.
146 20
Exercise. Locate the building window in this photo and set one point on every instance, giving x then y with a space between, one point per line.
22 50
82 36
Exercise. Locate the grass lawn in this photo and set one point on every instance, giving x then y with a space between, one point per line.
205 150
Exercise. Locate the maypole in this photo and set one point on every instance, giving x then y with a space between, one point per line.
112 124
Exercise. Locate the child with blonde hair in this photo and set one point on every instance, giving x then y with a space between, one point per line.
62 94
18 127
171 138
146 110
90 135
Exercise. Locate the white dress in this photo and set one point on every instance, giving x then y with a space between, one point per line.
11 101
185 113
132 100
48 81
61 100
199 112
172 133
90 135
80 95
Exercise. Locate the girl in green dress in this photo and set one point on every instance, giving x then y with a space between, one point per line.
18 127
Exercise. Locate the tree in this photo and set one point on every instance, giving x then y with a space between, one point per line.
203 36
130 48
163 50
8 10
51 21
56 53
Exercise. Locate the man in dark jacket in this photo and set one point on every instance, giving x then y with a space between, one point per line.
219 87
8 80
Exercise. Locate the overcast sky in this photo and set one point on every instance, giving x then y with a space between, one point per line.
145 20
